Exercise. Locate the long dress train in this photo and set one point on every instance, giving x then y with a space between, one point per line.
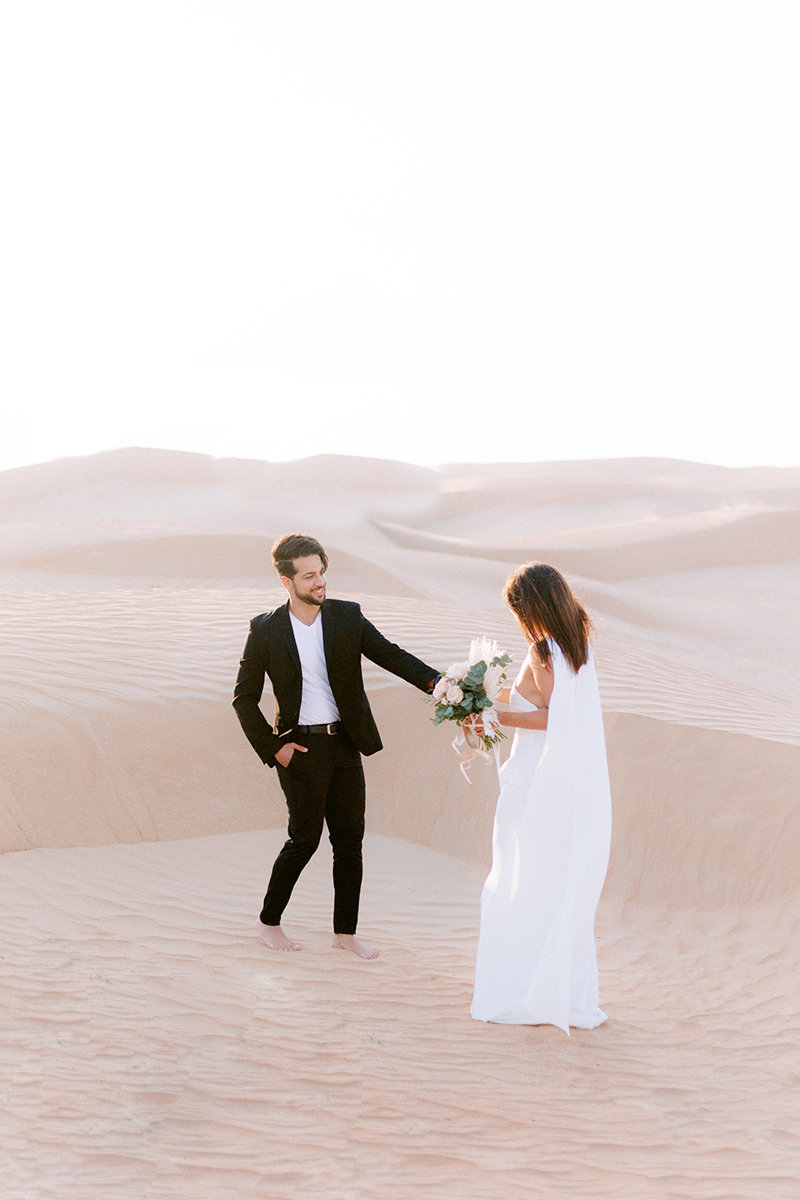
537 963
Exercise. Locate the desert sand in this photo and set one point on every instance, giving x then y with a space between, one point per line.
154 1048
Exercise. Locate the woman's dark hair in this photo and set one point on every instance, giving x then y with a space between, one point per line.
546 607
292 546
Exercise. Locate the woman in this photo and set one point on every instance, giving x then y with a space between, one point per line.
536 954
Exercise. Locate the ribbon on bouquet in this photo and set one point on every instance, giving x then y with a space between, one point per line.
469 742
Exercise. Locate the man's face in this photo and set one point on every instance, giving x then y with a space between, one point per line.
308 584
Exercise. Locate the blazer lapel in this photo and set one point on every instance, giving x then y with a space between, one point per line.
285 626
328 634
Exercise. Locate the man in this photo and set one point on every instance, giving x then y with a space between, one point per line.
311 648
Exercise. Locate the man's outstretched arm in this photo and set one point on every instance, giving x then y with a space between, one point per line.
393 658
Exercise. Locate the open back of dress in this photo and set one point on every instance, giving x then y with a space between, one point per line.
537 963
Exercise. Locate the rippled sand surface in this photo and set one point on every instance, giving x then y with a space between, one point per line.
157 1049
153 1047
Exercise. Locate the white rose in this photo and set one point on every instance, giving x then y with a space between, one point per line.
441 688
492 681
454 694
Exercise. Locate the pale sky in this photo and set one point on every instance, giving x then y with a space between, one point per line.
432 231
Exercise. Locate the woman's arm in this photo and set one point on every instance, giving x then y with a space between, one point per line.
525 720
537 681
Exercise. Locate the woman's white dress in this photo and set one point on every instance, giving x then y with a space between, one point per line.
537 963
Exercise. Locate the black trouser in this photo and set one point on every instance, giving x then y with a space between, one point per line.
324 785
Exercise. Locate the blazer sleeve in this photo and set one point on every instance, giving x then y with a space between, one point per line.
392 658
246 696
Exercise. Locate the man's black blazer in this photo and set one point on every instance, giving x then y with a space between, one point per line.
271 651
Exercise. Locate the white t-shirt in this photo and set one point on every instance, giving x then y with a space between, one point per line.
317 706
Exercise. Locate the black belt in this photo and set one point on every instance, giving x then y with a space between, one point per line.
334 727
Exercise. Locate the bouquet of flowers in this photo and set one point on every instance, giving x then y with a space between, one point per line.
466 692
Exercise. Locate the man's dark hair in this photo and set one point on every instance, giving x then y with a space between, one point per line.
292 546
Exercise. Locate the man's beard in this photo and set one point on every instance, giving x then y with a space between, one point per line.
309 597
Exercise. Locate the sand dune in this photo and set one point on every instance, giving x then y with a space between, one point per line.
154 1048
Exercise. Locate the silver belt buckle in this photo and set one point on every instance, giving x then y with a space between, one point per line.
329 728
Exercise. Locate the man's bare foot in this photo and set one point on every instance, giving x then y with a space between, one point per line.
274 937
348 941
